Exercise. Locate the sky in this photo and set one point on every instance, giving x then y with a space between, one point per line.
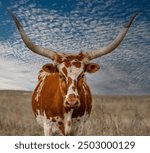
72 26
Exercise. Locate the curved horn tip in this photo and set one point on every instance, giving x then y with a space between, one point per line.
15 19
131 20
10 12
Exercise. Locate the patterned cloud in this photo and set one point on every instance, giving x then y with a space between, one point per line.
83 26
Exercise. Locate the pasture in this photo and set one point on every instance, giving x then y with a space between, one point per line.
111 115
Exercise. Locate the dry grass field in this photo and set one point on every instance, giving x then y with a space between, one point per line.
111 115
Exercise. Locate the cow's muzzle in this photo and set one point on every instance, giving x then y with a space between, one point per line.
72 103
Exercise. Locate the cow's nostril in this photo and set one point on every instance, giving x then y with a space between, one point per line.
67 103
76 102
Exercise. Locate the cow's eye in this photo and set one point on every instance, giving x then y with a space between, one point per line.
61 77
82 76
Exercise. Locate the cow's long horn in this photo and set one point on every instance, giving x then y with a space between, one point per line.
36 49
110 47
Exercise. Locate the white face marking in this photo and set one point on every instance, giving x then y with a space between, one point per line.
73 72
71 91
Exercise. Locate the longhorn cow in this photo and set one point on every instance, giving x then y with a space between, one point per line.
62 99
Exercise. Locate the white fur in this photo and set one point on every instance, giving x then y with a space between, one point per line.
67 119
42 75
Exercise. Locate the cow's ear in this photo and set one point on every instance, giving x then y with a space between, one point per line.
92 67
50 68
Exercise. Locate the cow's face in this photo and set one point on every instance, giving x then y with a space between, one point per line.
71 77
71 74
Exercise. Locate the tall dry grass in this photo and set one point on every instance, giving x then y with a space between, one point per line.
120 115
16 117
111 115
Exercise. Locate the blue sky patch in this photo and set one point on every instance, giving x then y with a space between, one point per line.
72 26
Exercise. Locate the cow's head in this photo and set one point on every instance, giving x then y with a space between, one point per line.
71 68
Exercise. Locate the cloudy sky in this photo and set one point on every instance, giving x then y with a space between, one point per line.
72 26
